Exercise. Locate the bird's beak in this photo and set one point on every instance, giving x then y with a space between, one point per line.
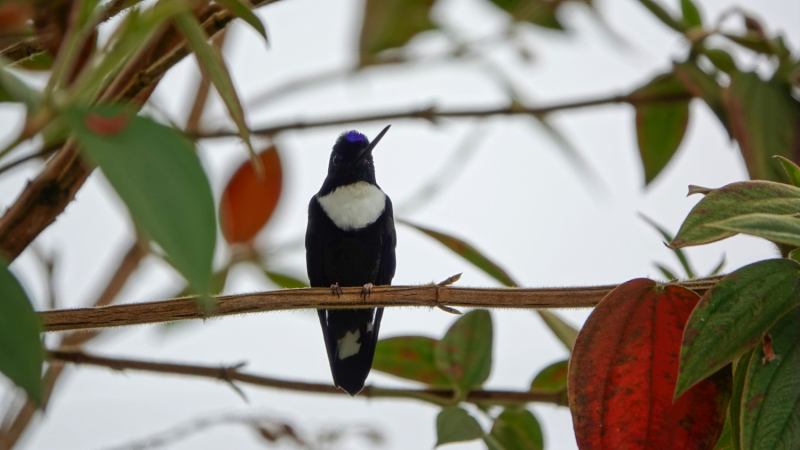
374 142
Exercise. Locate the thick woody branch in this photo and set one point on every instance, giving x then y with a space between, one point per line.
232 374
313 298
433 115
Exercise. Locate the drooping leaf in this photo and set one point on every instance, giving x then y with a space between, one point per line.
764 118
660 125
538 12
518 429
37 62
248 202
467 252
285 281
781 229
771 399
552 379
733 316
691 15
242 10
735 199
660 129
21 353
391 24
735 410
456 425
157 174
623 371
464 355
214 67
565 332
410 357
666 272
664 16
791 169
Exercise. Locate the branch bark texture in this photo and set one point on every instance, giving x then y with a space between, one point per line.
312 298
232 374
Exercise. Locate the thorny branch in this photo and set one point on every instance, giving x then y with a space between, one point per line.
312 298
232 374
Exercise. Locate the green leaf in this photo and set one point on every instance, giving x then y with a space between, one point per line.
390 24
38 61
456 425
691 15
792 170
662 15
12 89
783 229
660 129
518 429
243 11
733 316
21 353
666 272
678 252
565 332
721 59
725 441
285 281
214 67
469 253
464 355
155 171
735 199
764 117
410 357
735 410
771 398
537 12
552 379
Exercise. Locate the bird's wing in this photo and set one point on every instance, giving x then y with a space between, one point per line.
388 243
315 266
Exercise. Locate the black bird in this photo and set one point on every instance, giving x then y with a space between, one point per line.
350 242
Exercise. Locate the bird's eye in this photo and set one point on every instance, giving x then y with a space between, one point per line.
335 160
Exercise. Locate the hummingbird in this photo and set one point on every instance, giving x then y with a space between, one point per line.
350 242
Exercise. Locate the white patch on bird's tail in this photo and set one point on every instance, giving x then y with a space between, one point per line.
349 345
354 206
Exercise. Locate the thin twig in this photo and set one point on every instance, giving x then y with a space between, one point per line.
432 114
312 298
228 374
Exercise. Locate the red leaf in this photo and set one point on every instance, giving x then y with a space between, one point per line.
248 203
623 372
106 126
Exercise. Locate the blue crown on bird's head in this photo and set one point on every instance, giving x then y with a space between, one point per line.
350 143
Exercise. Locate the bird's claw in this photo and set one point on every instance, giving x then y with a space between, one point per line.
336 290
366 290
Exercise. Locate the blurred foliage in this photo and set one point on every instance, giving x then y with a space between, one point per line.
153 168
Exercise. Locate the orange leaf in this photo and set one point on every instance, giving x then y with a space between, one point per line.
248 203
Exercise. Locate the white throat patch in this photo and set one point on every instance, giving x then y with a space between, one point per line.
354 206
349 345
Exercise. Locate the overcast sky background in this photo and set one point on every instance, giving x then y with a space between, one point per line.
518 199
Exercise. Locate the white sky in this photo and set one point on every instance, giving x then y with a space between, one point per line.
519 200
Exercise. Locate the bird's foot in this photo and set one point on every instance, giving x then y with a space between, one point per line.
366 290
335 289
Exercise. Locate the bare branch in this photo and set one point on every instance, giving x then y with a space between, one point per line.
431 114
313 298
228 374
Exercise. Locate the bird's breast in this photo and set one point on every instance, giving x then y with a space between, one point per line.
354 206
